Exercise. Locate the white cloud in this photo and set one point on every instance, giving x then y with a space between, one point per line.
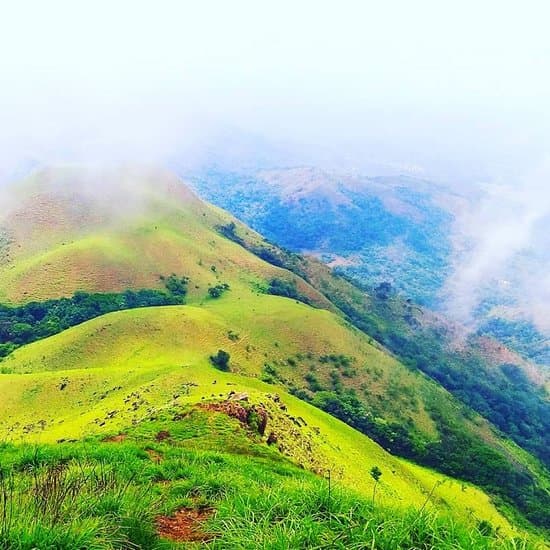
508 221
440 85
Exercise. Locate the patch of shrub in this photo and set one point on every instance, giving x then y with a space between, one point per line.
270 374
218 290
287 289
176 286
229 232
313 383
221 360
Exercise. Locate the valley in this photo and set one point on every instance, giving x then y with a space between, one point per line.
408 232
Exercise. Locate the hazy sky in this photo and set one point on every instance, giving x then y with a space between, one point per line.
457 90
439 84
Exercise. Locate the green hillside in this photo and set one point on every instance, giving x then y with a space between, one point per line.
66 230
122 388
400 230
190 476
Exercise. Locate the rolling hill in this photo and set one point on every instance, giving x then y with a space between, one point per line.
401 230
393 236
67 230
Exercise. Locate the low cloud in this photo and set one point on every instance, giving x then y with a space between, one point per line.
502 247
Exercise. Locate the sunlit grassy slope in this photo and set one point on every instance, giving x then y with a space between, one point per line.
256 329
77 389
65 230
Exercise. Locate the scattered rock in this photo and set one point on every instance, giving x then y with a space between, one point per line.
272 438
253 416
242 396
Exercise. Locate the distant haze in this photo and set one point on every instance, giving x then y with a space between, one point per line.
454 91
502 245
440 87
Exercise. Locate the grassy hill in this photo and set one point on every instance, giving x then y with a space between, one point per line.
68 399
69 390
401 230
67 230
190 476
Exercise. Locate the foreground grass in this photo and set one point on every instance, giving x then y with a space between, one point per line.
109 495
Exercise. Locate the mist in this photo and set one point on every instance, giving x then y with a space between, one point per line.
451 90
501 246
456 92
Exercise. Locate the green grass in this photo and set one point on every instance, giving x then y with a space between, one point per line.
102 495
115 371
37 410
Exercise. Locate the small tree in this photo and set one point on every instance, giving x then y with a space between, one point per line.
376 474
221 360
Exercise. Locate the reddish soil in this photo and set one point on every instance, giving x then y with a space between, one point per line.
235 410
252 416
162 435
184 525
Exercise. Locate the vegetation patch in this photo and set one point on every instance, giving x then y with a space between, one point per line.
221 360
217 290
287 289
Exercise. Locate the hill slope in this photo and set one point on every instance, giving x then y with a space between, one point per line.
405 231
77 384
66 230
393 236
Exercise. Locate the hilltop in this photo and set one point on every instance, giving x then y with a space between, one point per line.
68 229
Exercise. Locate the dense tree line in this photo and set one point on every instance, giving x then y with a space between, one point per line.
503 395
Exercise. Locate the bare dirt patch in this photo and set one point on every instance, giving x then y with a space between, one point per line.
162 435
185 525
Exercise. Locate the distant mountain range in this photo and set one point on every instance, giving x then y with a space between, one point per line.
398 230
